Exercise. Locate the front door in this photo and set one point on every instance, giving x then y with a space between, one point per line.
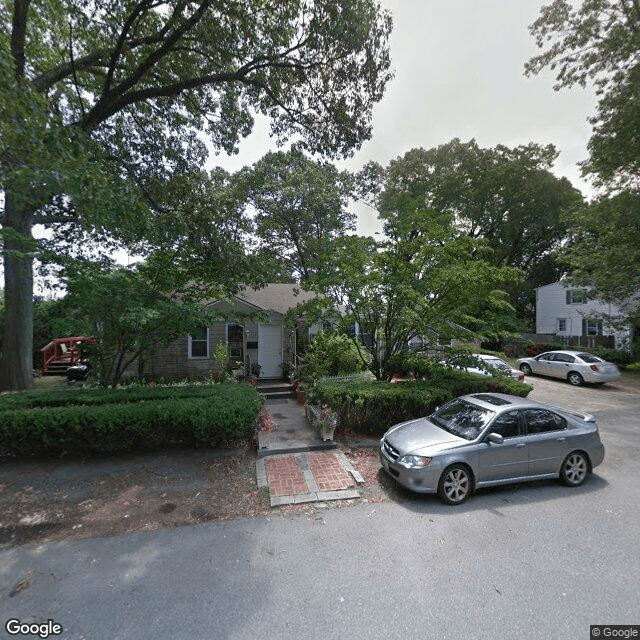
270 350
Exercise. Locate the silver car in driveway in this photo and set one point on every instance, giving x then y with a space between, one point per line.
574 366
487 439
483 364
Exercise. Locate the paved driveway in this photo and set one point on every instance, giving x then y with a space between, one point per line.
616 407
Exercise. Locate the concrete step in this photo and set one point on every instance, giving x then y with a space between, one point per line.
275 389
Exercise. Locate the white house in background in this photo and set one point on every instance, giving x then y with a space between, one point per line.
564 311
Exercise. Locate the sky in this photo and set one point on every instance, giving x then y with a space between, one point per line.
459 73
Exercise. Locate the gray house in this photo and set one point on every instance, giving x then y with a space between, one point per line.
254 329
568 312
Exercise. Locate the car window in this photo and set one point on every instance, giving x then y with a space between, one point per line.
497 364
541 421
463 419
564 357
587 357
546 356
507 425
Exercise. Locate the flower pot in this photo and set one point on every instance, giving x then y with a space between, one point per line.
326 432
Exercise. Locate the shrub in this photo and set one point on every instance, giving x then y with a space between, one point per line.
372 407
407 363
331 355
186 417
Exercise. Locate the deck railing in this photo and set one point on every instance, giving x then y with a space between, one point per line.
63 350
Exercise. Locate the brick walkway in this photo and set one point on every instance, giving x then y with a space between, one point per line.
329 474
285 477
308 477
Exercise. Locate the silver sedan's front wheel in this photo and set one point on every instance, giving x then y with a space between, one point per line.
455 484
575 469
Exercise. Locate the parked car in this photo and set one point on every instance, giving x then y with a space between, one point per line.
487 439
483 364
574 366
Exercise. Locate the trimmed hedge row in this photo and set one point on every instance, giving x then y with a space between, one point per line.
372 407
224 412
92 397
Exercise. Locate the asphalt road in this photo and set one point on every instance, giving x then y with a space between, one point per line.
531 561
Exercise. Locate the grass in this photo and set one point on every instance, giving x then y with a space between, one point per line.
263 495
47 382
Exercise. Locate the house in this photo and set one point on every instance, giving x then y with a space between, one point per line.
568 313
254 329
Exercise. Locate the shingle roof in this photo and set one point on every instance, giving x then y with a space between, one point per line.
276 297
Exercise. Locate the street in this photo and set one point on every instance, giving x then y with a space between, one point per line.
529 561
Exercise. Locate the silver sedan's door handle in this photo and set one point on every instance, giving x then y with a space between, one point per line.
561 439
520 446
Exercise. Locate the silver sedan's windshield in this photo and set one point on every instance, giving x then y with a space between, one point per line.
462 419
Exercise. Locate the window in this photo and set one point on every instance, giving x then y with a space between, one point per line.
576 296
541 421
199 343
564 357
591 327
507 425
562 325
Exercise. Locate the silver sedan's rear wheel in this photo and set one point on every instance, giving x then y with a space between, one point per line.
455 484
575 378
575 469
526 369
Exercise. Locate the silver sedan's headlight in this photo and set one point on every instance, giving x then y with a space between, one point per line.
414 462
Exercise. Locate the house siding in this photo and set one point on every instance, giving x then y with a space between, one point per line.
172 362
552 308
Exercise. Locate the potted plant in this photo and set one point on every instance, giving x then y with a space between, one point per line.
327 419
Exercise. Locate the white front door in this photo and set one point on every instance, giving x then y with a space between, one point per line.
270 350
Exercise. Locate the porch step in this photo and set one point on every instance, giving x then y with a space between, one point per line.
58 368
276 389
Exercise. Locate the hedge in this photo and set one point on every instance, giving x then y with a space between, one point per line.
372 407
204 416
63 397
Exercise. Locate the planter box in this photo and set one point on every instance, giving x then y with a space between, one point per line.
313 416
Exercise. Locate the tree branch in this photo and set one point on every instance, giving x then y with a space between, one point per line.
18 35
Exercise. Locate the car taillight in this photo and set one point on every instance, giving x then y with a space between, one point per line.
521 377
593 367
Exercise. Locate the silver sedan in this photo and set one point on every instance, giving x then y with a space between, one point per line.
574 366
488 439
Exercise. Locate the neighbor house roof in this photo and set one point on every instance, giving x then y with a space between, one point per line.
276 297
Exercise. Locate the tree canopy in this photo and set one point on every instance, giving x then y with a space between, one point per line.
102 100
506 196
300 208
598 42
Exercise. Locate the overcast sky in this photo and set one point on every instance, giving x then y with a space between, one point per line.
459 73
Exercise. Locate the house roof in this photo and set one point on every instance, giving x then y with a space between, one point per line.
276 297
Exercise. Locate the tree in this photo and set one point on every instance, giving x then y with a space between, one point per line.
597 42
97 97
419 282
300 208
508 197
129 310
603 252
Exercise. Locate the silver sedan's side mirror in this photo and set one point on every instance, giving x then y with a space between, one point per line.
495 438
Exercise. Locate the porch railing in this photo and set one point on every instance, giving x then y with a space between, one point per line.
63 350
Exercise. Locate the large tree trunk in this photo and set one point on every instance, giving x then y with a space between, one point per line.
16 363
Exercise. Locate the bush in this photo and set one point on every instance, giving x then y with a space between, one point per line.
331 355
408 363
148 419
372 407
